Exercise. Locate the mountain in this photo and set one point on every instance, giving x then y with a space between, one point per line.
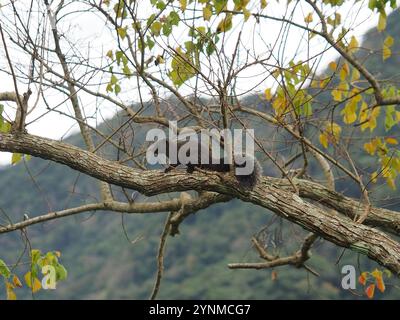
112 256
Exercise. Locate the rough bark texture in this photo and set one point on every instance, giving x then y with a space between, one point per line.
271 193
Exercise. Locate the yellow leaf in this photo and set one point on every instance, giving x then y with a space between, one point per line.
382 22
110 54
263 3
391 183
344 71
355 75
183 4
225 24
268 94
308 18
386 53
350 109
333 66
241 5
389 41
353 45
391 140
374 177
58 254
207 13
370 147
16 157
337 95
334 129
246 14
10 291
323 139
16 281
36 283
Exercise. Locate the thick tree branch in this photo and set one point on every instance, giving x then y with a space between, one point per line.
268 194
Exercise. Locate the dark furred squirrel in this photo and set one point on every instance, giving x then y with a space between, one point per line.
247 179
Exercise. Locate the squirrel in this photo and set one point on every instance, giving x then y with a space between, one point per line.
246 180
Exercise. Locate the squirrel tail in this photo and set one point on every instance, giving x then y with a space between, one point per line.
248 181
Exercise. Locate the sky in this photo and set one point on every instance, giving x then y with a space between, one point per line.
93 38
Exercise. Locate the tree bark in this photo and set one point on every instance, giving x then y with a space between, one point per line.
270 193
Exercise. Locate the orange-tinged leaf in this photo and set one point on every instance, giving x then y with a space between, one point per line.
36 286
16 281
274 275
308 18
363 278
378 275
333 66
370 290
380 284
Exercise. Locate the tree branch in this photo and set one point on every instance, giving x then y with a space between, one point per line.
268 193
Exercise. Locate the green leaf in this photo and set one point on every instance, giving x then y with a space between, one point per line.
156 28
390 117
113 79
35 255
110 54
225 24
183 4
207 13
119 55
36 283
122 32
174 18
161 5
16 157
150 43
167 28
117 89
382 22
4 271
61 272
220 5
